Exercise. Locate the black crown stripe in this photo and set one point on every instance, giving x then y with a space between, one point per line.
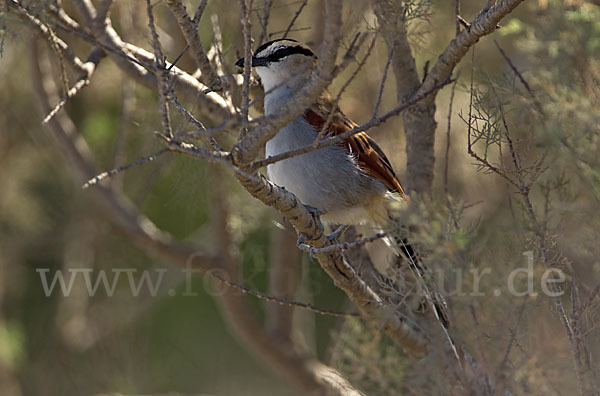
265 45
283 52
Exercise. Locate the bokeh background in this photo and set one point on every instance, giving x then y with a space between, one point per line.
82 345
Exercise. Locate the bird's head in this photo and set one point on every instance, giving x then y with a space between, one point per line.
279 61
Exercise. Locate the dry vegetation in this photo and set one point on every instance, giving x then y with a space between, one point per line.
487 109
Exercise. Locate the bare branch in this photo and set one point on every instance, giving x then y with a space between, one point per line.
247 149
136 62
285 277
53 40
513 335
349 55
484 23
162 74
419 121
96 179
282 301
537 103
246 5
117 206
282 356
211 104
341 137
383 80
264 20
102 10
371 306
340 246
296 15
89 67
199 11
447 151
189 28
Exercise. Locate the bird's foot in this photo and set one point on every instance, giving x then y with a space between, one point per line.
314 211
339 231
301 243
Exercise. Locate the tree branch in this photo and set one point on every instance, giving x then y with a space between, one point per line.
104 35
189 28
305 373
116 205
419 120
484 23
247 149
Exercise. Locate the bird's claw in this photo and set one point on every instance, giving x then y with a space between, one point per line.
314 211
339 231
301 241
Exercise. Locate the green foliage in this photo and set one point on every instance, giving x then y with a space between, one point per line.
12 346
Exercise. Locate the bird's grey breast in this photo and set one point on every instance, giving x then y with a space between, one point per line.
327 179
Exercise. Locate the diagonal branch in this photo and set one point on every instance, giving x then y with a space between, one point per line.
89 67
189 28
330 141
116 205
55 42
419 120
162 75
484 23
248 148
371 306
123 54
280 354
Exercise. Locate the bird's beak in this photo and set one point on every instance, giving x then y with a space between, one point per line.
255 62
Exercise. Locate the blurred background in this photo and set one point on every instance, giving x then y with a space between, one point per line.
173 342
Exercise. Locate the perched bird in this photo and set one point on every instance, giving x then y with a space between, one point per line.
350 183
347 183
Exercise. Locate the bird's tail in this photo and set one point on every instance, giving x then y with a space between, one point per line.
434 299
387 213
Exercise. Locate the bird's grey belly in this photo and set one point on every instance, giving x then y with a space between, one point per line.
327 179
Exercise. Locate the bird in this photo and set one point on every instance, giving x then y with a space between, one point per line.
350 183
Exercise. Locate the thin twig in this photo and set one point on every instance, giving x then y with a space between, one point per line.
264 20
162 74
247 31
283 301
102 10
96 179
188 116
299 29
457 14
513 336
199 11
537 103
339 246
341 137
189 28
89 67
469 123
325 126
53 40
296 15
447 152
586 304
178 57
383 80
221 157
